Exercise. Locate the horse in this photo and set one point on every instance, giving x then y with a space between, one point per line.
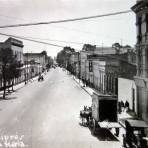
85 115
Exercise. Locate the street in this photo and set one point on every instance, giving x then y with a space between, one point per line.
46 115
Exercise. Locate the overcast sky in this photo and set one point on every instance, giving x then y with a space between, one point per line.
99 31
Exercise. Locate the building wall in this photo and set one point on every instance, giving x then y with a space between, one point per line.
39 58
18 52
83 58
104 50
141 79
127 92
99 74
74 63
16 46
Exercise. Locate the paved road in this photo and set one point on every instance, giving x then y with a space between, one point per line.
46 115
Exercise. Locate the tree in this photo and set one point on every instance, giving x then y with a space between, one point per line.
64 55
88 47
9 68
117 47
14 72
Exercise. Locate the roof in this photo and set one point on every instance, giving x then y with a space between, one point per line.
105 96
33 54
15 42
137 123
105 50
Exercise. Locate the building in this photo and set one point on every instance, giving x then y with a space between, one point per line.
104 50
75 63
103 72
141 79
16 46
95 73
49 61
86 50
39 58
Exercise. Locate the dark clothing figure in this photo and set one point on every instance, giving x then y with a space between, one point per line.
117 131
119 107
127 105
122 104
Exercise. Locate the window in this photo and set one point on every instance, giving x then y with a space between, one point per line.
140 59
90 66
146 19
139 25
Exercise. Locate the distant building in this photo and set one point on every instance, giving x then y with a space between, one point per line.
141 79
49 61
104 50
75 63
112 50
39 58
83 59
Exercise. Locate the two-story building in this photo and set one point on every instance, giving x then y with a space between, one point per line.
16 46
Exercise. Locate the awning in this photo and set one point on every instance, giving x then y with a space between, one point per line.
137 123
106 124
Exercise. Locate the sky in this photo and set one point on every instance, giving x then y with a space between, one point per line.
99 31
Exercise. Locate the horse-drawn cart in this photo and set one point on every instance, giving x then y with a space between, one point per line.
103 113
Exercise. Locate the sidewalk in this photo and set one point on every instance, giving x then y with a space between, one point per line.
22 84
89 90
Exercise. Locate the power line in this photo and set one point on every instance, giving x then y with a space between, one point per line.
66 20
54 40
41 42
45 39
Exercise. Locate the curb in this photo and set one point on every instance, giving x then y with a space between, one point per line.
82 87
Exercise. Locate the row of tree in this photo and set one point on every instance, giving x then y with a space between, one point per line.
9 69
64 55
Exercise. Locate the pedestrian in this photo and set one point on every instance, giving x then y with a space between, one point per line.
117 130
84 108
122 105
119 107
127 105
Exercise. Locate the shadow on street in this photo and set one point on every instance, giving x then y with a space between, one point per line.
103 134
7 98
